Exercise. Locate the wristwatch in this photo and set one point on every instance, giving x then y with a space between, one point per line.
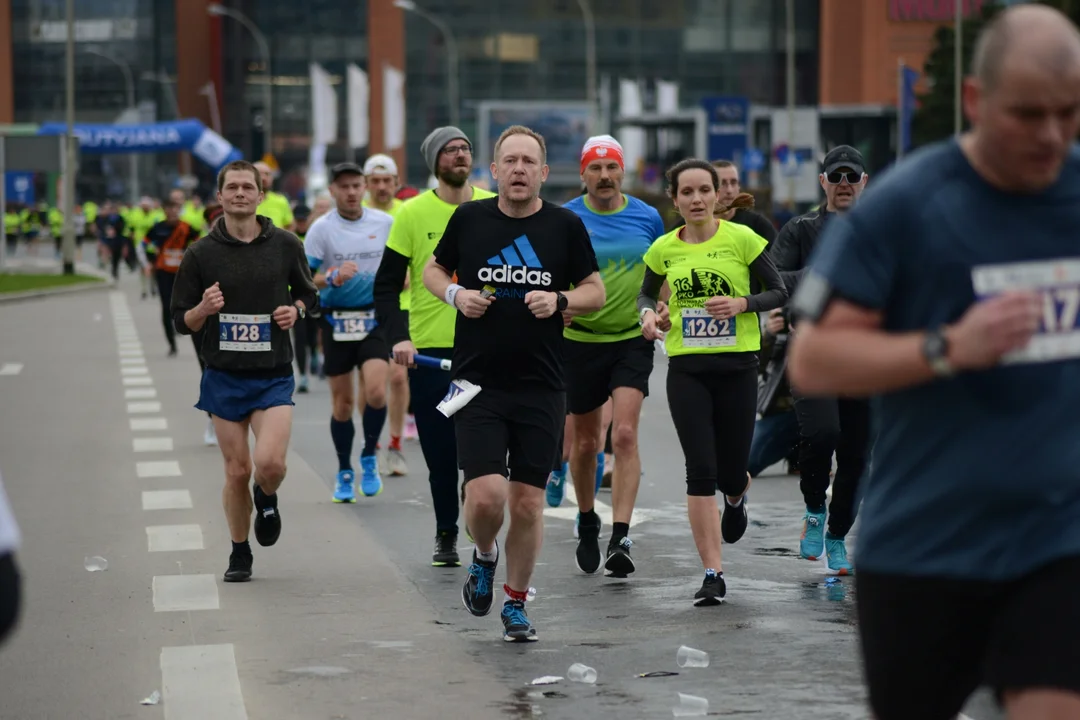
935 349
561 302
300 309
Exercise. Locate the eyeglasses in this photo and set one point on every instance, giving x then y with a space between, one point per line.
457 149
835 178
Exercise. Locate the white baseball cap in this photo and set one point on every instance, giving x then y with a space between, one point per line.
380 165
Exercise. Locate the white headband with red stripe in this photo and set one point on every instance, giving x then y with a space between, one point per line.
601 147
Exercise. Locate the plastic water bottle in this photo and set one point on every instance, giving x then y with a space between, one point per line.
530 594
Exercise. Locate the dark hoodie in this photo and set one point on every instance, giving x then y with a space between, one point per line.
255 279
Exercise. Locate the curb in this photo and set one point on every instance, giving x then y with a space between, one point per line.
63 290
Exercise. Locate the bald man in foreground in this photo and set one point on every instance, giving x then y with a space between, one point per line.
950 295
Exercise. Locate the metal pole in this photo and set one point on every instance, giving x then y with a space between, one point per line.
790 35
210 90
958 63
590 52
3 204
68 247
264 50
452 63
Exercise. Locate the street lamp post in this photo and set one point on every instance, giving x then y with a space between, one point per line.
68 246
161 77
790 42
590 51
219 10
451 52
129 84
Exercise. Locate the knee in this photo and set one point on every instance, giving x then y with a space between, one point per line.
624 439
271 468
343 407
399 379
486 495
587 444
376 396
238 470
526 505
700 488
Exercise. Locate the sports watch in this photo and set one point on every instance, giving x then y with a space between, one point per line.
935 349
300 309
561 302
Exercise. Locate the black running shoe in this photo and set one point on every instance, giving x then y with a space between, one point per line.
712 591
479 588
516 625
267 518
239 568
619 564
446 554
588 547
733 522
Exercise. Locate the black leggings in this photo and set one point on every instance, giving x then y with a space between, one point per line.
10 594
438 442
165 282
713 409
305 341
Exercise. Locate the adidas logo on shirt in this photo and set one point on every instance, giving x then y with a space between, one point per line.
516 263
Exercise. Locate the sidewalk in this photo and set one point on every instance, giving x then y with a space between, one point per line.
41 260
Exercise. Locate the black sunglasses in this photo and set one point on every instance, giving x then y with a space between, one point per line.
835 178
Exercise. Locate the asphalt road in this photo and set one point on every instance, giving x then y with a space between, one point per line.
102 455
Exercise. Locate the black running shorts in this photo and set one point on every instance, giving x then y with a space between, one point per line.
594 370
523 425
928 643
343 356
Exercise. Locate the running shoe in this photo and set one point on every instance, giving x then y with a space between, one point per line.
302 386
812 543
267 519
588 555
556 486
836 556
516 625
370 482
344 491
577 526
733 521
446 554
599 472
479 587
239 568
410 428
395 463
210 436
619 564
712 591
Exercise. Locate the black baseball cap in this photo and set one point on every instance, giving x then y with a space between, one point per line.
301 212
345 168
843 156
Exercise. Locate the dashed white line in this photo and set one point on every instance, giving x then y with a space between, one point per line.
11 368
201 681
142 424
166 500
134 345
143 407
152 444
137 360
144 380
178 593
135 370
139 393
174 538
158 469
131 352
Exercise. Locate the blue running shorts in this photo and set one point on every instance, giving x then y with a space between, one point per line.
234 397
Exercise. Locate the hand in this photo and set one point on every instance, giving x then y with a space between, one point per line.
285 316
471 304
649 327
542 304
774 325
993 328
345 272
567 318
212 301
725 308
663 312
404 352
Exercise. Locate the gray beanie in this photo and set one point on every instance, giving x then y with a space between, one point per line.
436 141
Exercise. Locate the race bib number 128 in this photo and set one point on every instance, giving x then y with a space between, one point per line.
1058 282
244 333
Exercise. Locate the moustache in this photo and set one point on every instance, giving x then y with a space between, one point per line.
603 184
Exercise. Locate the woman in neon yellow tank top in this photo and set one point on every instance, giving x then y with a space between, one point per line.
712 344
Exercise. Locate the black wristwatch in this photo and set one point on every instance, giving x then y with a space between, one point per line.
561 302
935 349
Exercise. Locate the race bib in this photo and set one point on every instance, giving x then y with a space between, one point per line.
171 257
352 325
699 329
244 333
1058 281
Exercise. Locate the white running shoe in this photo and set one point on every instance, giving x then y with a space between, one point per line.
395 463
210 437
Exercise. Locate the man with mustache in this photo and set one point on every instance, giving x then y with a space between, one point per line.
827 425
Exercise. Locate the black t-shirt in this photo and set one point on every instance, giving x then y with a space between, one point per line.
508 347
756 222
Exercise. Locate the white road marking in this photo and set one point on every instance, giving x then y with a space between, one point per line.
11 368
138 424
139 393
143 407
144 380
158 469
174 538
178 593
152 444
134 371
604 511
133 345
201 681
166 500
131 352
137 360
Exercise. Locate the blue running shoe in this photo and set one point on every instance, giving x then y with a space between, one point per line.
479 588
812 543
836 556
599 472
344 491
556 486
516 625
370 482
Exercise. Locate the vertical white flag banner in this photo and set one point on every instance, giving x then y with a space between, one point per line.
667 97
632 139
393 108
359 95
324 108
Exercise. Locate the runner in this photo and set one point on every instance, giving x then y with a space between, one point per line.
827 425
233 285
428 328
274 205
606 357
956 313
169 240
306 330
10 578
712 345
344 248
382 181
730 189
509 342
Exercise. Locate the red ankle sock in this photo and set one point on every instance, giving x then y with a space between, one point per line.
395 443
519 595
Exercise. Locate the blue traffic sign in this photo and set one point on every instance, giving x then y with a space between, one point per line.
727 126
19 187
753 160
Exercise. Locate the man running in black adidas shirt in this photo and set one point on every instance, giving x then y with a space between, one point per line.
516 258
245 285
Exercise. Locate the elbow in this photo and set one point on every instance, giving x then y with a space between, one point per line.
180 325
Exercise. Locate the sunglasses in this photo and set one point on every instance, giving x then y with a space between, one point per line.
835 178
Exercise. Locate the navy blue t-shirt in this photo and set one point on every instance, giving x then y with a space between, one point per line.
975 476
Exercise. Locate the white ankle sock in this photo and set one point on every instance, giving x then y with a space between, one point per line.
488 556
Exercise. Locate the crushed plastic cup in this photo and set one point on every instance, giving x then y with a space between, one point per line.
96 563
691 706
688 657
581 674
154 699
530 595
